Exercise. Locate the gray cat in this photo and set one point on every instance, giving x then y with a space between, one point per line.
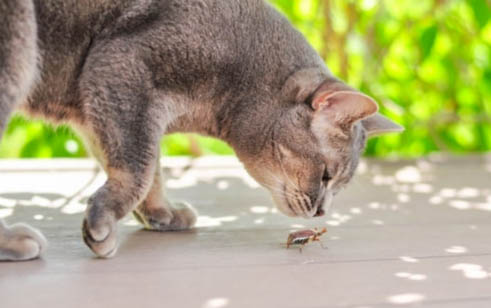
125 72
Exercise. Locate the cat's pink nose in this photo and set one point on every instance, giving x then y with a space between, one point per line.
320 212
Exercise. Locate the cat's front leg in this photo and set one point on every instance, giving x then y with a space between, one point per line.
130 164
18 71
20 242
156 213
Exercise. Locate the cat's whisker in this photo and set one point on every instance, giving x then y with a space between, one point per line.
279 181
300 200
285 194
280 191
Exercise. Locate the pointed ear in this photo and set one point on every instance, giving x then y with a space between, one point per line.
378 125
344 108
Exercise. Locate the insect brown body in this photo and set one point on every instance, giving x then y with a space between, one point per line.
304 237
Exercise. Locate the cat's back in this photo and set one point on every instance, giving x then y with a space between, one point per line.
235 41
183 43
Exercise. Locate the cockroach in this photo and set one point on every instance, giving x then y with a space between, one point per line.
303 237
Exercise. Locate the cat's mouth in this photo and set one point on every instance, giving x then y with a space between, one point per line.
292 208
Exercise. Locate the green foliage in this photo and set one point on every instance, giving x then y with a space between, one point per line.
427 62
35 139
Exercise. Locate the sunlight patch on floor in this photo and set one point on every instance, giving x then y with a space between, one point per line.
5 212
403 198
408 259
407 298
422 188
7 202
298 226
207 221
409 276
223 185
468 192
456 249
259 221
471 271
356 211
218 302
131 222
74 207
409 174
378 222
460 204
333 223
259 209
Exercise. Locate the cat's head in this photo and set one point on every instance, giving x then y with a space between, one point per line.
315 143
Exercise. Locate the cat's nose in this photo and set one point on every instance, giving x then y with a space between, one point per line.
319 205
324 204
320 212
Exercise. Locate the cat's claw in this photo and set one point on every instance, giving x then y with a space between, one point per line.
182 216
21 242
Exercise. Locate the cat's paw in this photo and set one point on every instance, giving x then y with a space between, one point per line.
181 216
21 242
99 231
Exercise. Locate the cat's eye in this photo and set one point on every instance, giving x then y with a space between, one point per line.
326 177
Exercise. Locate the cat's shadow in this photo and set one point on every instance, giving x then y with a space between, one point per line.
140 241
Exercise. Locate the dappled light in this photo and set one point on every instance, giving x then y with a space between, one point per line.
422 188
74 207
408 175
217 302
409 276
297 226
260 209
406 298
130 222
7 202
403 198
5 212
223 185
356 211
374 205
456 249
435 200
207 221
406 233
409 259
471 271
259 221
333 223
378 222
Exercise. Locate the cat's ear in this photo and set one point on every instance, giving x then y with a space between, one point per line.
344 108
379 125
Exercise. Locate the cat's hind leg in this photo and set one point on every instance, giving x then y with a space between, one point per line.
156 213
18 71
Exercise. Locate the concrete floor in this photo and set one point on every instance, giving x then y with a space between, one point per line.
404 233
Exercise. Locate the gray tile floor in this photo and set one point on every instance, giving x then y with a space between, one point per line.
403 234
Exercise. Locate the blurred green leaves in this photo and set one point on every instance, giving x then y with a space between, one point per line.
481 10
35 139
427 62
427 40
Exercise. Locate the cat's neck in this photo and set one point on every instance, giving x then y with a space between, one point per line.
236 122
